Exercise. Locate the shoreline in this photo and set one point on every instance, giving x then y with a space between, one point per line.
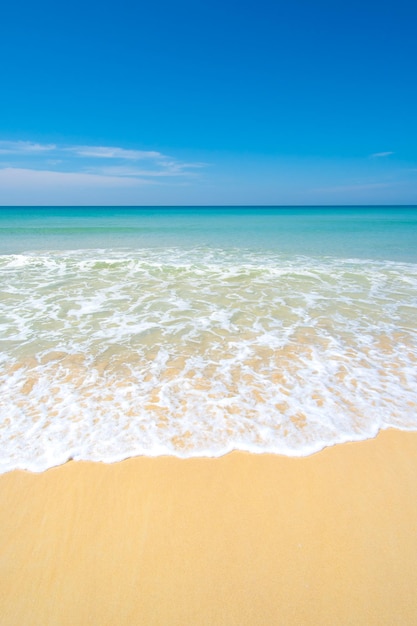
244 538
232 451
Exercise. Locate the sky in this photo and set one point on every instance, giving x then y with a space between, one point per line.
208 102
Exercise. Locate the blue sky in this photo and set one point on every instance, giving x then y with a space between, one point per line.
197 102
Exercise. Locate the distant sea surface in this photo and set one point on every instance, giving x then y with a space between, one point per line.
195 331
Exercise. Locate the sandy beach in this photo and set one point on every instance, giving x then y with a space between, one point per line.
243 539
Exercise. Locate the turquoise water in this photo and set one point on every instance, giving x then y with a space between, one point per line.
361 232
196 331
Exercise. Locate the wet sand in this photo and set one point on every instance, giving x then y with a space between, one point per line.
240 540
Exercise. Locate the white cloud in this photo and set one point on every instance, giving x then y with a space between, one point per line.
164 170
14 177
20 186
24 147
382 154
107 152
30 164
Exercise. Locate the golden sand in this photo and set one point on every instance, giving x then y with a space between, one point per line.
241 540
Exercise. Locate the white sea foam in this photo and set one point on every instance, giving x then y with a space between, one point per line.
110 354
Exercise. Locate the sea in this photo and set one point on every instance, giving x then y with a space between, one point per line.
195 331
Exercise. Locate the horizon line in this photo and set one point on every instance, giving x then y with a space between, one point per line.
200 206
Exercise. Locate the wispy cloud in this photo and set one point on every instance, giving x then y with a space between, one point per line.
108 152
381 154
11 176
84 160
20 186
24 147
140 172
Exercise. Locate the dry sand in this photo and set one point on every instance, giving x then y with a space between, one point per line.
240 540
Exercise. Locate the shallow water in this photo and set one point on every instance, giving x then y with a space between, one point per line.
197 349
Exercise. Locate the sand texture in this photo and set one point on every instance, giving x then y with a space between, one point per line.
240 540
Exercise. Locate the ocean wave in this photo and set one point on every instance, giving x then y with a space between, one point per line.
107 354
